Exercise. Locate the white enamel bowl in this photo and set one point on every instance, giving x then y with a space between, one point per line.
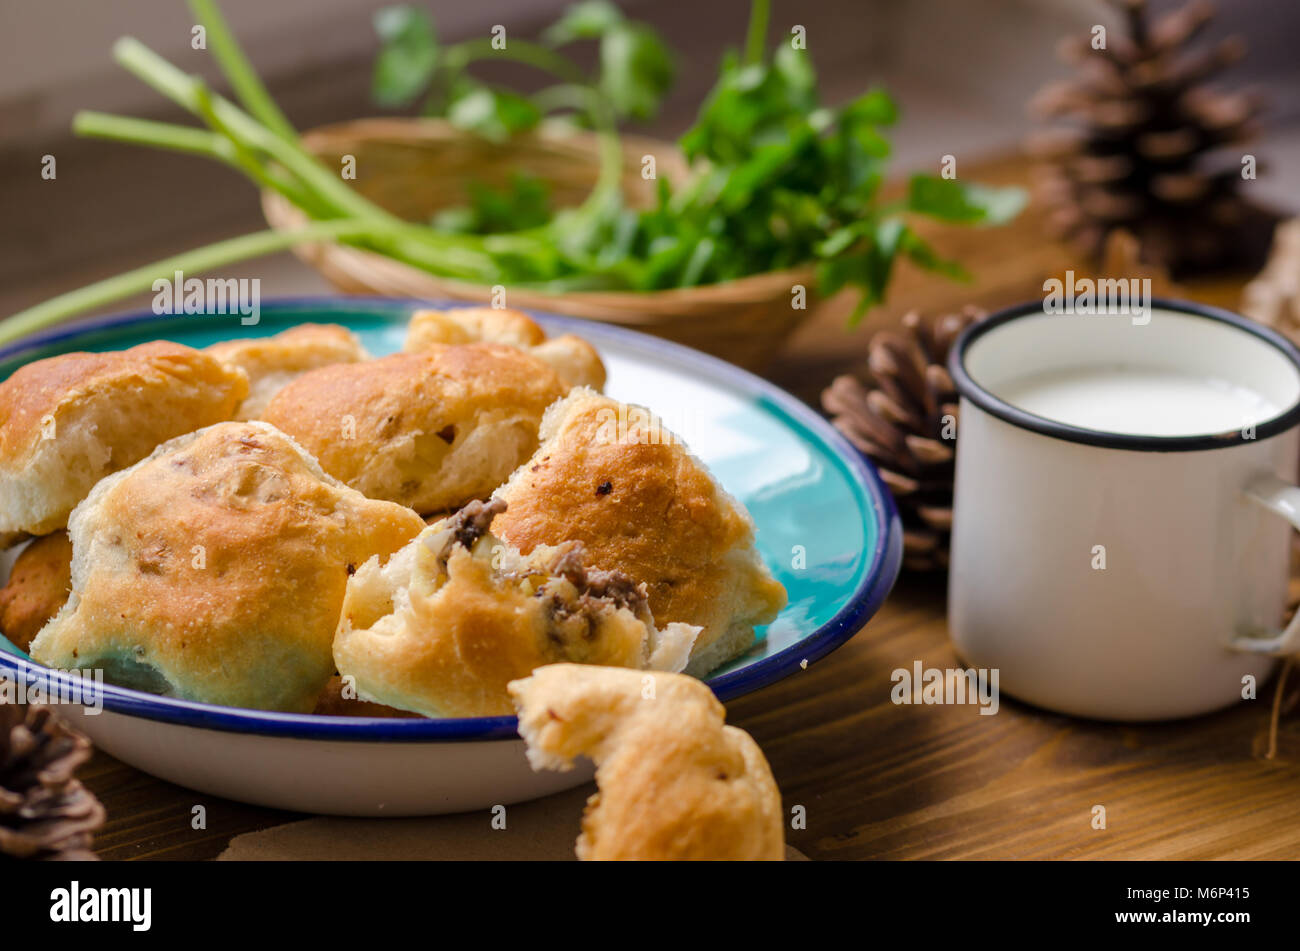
826 527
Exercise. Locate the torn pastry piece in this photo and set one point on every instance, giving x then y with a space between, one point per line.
455 616
673 781
273 362
214 570
38 586
68 421
575 360
610 476
430 430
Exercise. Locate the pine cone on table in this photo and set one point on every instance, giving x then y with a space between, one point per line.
901 413
45 811
1142 153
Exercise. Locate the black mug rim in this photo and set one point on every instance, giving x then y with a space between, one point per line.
968 388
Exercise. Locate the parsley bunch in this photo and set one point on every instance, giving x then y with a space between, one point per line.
779 179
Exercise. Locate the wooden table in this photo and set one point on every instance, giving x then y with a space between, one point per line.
880 780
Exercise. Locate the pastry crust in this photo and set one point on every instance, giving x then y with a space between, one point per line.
610 476
214 570
455 616
472 325
68 421
271 363
574 359
38 586
430 430
674 783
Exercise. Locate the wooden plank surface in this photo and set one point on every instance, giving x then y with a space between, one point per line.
879 780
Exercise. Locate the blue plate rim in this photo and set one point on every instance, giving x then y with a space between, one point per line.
885 558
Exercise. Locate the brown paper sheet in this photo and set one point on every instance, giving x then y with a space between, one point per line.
543 830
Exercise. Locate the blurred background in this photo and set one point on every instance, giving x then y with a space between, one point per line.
963 71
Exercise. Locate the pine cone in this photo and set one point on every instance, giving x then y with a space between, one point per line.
1142 156
1273 297
45 812
896 414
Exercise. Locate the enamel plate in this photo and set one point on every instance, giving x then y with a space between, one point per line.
826 527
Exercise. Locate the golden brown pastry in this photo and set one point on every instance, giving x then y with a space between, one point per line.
611 477
214 570
575 360
273 362
472 325
68 421
674 782
431 430
455 616
38 586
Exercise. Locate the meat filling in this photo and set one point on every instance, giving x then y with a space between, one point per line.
597 590
472 522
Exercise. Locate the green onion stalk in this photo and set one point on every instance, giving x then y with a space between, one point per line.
259 141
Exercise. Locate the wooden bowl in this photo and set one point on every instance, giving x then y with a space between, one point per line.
416 167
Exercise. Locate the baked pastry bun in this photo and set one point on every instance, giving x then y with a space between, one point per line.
273 362
430 430
37 587
68 421
610 476
674 782
455 616
472 325
575 360
214 570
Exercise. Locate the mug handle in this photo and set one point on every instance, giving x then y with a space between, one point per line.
1282 498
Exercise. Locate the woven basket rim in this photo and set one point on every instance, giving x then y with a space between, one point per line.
281 215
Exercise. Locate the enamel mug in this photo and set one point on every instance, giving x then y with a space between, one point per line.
1123 507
